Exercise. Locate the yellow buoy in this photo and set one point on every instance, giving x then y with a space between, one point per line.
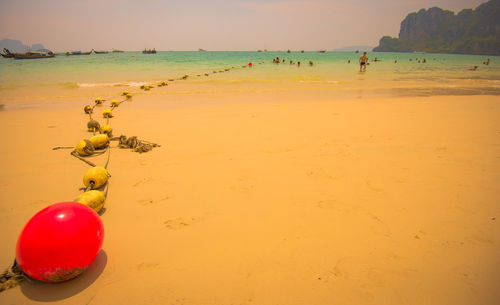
88 109
114 103
106 129
95 177
129 96
84 148
143 86
170 79
206 74
214 71
107 113
125 93
93 199
99 141
93 125
98 101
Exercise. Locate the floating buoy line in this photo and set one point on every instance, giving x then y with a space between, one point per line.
60 241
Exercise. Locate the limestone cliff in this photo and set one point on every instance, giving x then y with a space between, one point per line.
440 31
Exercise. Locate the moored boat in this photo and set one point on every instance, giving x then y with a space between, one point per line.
7 54
33 55
78 53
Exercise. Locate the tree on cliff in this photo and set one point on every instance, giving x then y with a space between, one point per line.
436 30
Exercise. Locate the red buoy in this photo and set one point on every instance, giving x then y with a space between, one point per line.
60 242
249 64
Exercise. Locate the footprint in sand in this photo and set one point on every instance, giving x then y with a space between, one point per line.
326 204
145 202
147 266
143 181
179 223
335 272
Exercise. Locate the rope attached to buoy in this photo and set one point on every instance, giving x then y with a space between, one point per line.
12 277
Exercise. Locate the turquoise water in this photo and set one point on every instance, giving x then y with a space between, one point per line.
135 68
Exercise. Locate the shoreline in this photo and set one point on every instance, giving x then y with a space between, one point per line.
179 91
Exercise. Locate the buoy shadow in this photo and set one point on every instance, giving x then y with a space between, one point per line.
50 292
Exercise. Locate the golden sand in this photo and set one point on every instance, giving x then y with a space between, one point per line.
272 199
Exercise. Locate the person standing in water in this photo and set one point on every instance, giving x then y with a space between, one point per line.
363 60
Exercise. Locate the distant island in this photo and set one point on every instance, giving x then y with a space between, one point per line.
439 31
17 46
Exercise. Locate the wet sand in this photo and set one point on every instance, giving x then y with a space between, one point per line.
271 198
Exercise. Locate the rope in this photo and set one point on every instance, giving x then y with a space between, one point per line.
88 188
75 154
106 190
62 147
107 161
137 145
11 277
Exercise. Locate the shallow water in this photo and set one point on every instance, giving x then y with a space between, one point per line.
443 73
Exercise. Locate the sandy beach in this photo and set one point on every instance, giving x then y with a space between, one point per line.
271 198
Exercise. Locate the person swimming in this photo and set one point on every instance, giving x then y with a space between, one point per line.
311 63
473 68
298 64
363 60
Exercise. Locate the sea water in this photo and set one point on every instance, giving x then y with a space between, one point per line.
403 71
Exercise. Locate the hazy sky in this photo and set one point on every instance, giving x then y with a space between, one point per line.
63 25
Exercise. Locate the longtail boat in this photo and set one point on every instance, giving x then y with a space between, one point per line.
33 55
78 53
7 54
